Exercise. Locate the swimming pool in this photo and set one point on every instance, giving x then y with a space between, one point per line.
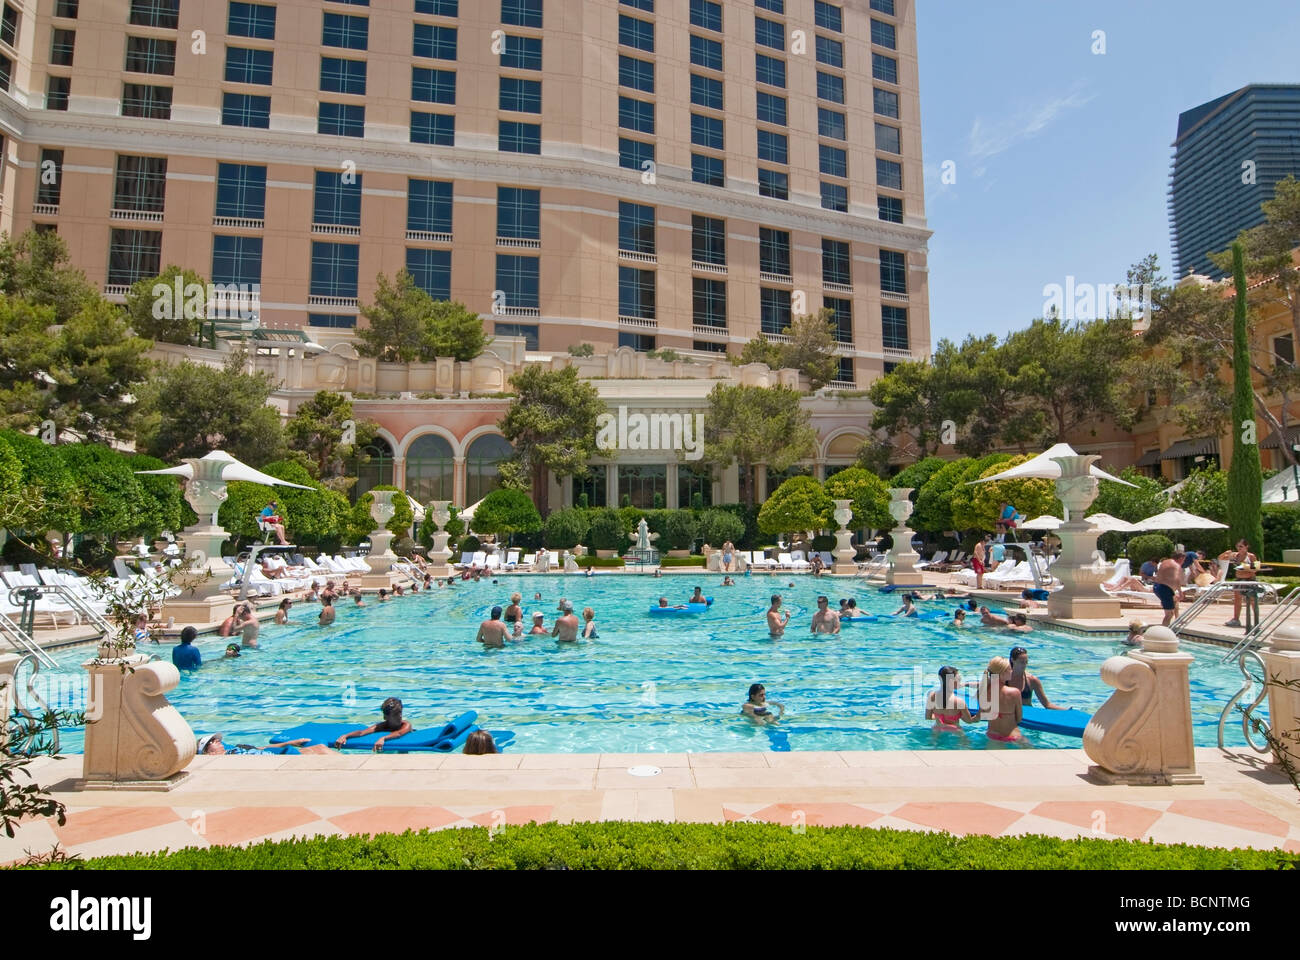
649 684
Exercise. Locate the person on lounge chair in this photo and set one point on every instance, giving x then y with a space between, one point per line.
392 726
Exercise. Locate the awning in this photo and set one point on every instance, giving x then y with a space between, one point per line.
1274 441
1206 446
1151 458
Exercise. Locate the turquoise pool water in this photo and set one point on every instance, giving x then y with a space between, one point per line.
647 685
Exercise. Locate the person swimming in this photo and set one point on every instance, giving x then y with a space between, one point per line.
945 706
757 707
589 624
907 609
393 725
959 618
1135 631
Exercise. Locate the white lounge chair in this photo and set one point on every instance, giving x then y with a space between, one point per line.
828 559
937 557
760 561
528 560
512 559
796 560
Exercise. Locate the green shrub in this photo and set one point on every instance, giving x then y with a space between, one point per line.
565 529
114 503
697 501
469 544
681 561
716 527
1149 546
1281 529
607 531
585 562
800 503
868 496
94 553
678 531
361 523
404 547
823 541
503 512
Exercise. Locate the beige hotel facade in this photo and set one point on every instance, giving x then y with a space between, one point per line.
643 174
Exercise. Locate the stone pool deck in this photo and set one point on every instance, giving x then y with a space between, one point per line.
242 800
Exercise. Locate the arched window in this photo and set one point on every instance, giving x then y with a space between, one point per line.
430 469
375 471
481 462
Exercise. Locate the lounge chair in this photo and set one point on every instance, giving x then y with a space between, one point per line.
512 559
760 561
936 558
797 561
828 559
528 560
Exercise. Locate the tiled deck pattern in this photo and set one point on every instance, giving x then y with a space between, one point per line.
238 800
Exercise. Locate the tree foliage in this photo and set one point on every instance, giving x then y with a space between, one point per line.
797 505
503 512
1244 480
315 434
978 507
35 267
166 319
407 325
164 498
113 502
753 425
565 529
810 349
945 494
53 501
868 493
914 477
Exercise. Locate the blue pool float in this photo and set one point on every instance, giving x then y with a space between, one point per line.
1069 723
441 740
690 610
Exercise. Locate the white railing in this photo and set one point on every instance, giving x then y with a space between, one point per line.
638 257
900 297
705 330
891 353
116 289
775 278
838 287
239 223
778 338
835 385
517 312
315 301
45 209
709 267
336 230
428 236
638 322
521 242
145 216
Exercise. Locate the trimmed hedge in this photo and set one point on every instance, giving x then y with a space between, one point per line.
1281 529
681 561
693 846
585 562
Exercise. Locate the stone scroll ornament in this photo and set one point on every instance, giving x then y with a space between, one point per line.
1114 737
136 734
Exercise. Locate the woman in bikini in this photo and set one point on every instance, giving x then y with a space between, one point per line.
945 706
1001 702
1025 683
757 707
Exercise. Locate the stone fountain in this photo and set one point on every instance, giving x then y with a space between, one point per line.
902 558
844 552
643 552
1080 596
381 557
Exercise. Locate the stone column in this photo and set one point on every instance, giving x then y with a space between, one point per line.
440 513
902 558
670 486
611 484
399 472
459 481
1143 733
381 557
760 483
206 602
1080 596
844 552
135 739
1282 664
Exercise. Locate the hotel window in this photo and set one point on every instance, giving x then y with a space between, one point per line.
636 227
828 17
883 6
706 131
521 13
141 184
893 272
438 129
344 30
830 87
245 110
638 115
890 209
774 251
146 100
769 70
889 367
334 269
636 293
642 343
776 6
834 161
774 310
845 372
6 72
56 93
134 255
639 34
706 14
438 8
771 109
521 96
705 346
434 42
884 35
519 214
706 92
884 68
888 138
256 20
830 123
709 299
517 278
835 196
155 13
344 76
341 119
237 260
894 322
1283 347
593 486
513 137
841 318
637 74
710 171
708 240
886 103
522 53
433 86
633 154
428 205
249 66
769 33
241 191
774 184
334 322
51 192
62 45
835 262
889 174
773 147
151 55
431 271
706 53
830 52
528 331
66 9
336 202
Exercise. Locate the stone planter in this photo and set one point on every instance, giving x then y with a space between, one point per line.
902 558
1080 576
844 552
135 739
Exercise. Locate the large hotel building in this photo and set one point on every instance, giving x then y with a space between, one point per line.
648 174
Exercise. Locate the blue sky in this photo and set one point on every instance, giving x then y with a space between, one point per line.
1062 156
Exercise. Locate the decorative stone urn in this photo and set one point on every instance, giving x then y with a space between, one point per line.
205 602
1282 665
381 557
844 552
135 739
440 514
1143 733
902 558
1080 596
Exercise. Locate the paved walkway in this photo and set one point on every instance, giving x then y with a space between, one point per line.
239 800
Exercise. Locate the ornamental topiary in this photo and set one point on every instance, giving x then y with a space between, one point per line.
716 527
798 504
678 530
1150 546
565 529
607 532
504 512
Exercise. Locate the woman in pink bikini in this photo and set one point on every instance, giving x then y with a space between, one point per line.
945 706
1004 721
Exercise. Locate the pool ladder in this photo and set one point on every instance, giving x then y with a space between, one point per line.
1247 656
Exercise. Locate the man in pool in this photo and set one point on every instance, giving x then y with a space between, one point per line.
777 619
566 627
757 707
391 726
990 619
825 620
539 626
326 611
493 631
697 596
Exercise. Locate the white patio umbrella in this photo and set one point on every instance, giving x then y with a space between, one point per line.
234 471
1284 487
1175 519
468 512
1105 523
1043 467
1041 523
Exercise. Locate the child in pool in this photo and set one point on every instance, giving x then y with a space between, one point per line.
757 706
391 726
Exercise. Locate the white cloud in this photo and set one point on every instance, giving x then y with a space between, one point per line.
988 139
